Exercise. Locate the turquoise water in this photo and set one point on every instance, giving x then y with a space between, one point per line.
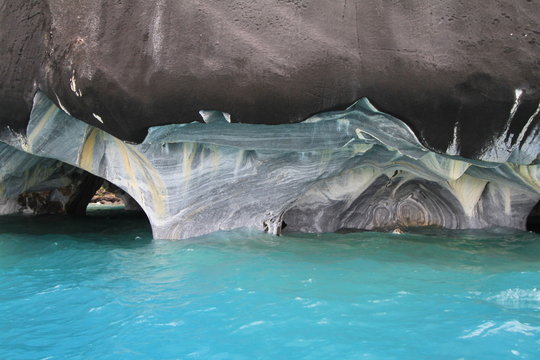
101 288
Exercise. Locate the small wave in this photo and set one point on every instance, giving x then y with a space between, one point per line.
479 330
255 323
403 292
380 301
515 326
517 298
490 328
174 323
50 290
313 305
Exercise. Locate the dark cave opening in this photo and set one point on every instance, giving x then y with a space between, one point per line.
80 194
70 198
533 220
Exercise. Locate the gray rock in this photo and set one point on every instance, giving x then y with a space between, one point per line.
357 168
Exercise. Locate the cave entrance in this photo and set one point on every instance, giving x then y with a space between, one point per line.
109 196
112 205
105 197
68 193
80 193
533 220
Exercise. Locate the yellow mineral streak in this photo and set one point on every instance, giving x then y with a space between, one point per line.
131 161
156 187
467 190
86 157
36 130
188 153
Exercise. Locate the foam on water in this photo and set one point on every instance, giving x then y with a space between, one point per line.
518 298
101 288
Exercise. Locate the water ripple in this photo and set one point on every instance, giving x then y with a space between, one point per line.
243 295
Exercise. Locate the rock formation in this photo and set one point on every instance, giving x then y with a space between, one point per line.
216 115
357 168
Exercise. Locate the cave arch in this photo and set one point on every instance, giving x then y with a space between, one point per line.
195 179
32 184
384 205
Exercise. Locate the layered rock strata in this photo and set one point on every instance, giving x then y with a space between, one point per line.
358 168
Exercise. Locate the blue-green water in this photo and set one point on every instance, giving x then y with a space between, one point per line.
101 288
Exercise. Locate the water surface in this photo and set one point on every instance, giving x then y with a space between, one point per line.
101 288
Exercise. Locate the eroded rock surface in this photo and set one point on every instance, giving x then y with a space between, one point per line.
358 168
193 83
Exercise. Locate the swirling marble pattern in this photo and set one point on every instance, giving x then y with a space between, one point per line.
358 168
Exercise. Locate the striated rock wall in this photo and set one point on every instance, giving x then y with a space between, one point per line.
358 168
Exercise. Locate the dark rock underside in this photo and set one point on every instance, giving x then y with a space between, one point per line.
444 67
